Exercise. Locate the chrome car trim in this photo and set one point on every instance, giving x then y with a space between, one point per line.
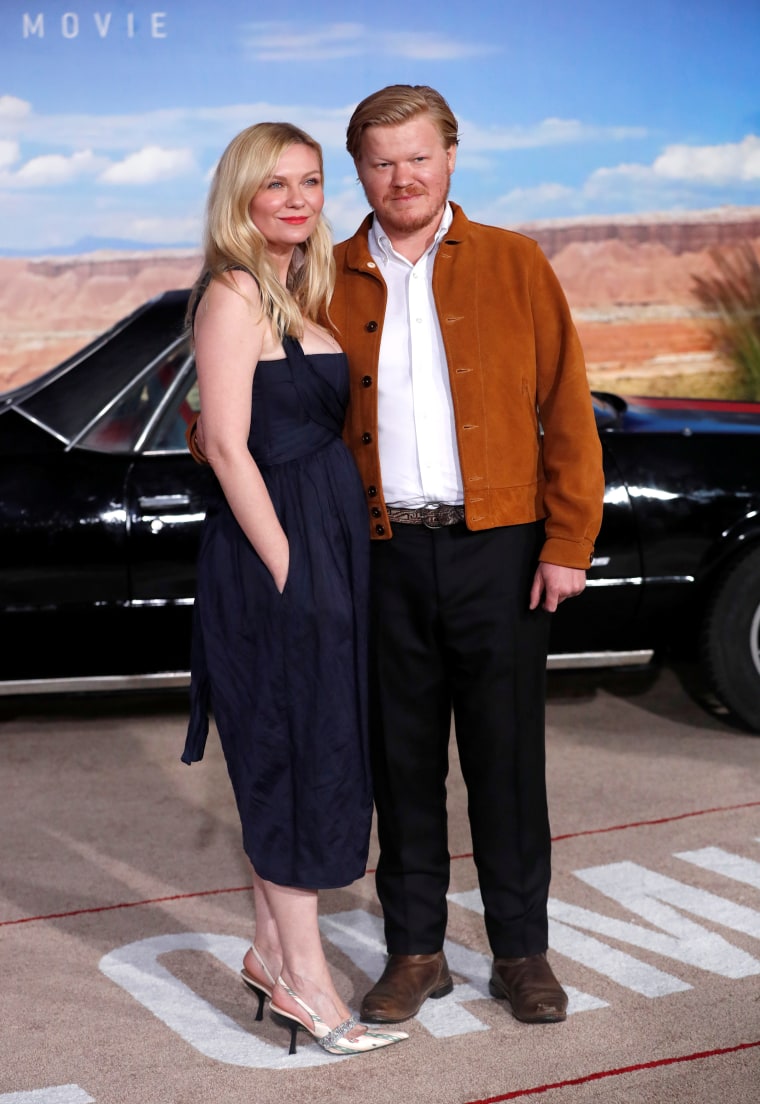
163 502
178 382
40 424
177 680
159 603
652 581
631 580
575 660
167 680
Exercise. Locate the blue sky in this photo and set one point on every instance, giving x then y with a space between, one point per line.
113 115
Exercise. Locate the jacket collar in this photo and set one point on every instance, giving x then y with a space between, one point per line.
357 246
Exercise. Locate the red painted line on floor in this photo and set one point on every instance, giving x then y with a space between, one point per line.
658 820
454 858
517 1093
126 904
636 824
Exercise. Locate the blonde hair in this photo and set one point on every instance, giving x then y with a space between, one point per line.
396 104
232 240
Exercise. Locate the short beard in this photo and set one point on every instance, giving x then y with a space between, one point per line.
422 221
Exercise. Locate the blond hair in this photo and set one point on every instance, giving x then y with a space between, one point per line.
396 104
232 240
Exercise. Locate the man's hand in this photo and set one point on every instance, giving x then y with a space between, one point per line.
554 584
194 438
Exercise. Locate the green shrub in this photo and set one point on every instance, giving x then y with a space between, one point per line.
732 297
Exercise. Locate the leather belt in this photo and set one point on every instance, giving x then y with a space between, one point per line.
434 515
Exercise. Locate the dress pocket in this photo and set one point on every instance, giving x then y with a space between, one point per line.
286 589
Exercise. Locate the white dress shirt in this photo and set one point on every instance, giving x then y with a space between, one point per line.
416 435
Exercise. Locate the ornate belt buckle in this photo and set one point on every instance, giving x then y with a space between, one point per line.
433 521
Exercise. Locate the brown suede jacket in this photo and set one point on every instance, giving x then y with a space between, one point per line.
516 368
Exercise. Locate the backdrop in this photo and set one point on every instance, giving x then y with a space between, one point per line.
624 138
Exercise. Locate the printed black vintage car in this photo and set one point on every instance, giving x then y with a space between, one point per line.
101 505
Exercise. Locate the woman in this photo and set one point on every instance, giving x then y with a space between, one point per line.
279 639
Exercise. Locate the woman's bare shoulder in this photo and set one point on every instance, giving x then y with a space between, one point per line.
232 294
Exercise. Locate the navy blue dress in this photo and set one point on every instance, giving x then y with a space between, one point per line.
285 675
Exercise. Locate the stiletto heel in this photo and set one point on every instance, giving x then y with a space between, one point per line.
332 1040
293 1028
261 989
260 993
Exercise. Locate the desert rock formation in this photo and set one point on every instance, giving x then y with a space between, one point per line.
629 282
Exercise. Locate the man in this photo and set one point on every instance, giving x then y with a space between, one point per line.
472 426
462 350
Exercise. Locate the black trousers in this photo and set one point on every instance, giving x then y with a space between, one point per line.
451 628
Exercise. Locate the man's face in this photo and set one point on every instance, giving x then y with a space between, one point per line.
405 172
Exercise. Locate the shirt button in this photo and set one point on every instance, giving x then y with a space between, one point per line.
376 511
366 381
380 530
366 438
371 327
371 491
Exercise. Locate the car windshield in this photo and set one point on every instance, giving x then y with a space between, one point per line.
127 422
125 374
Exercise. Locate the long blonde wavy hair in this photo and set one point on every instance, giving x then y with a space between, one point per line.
232 240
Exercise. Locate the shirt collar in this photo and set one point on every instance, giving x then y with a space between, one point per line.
380 244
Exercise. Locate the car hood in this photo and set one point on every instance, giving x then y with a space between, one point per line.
644 414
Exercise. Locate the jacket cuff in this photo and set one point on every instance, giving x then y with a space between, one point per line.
568 553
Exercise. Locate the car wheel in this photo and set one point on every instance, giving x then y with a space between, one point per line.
731 643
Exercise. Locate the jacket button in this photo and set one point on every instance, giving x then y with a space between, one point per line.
376 511
380 530
366 438
371 491
371 327
366 381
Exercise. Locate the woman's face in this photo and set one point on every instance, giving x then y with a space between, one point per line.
287 205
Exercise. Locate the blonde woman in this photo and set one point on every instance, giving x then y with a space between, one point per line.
280 633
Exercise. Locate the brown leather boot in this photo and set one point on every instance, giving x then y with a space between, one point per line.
530 987
406 983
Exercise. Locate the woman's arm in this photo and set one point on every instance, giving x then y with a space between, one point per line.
231 335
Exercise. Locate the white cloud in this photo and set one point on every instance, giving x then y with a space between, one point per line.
13 110
9 154
345 208
287 41
543 194
202 129
429 46
149 165
734 161
548 132
160 230
211 128
681 178
525 204
30 222
54 169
